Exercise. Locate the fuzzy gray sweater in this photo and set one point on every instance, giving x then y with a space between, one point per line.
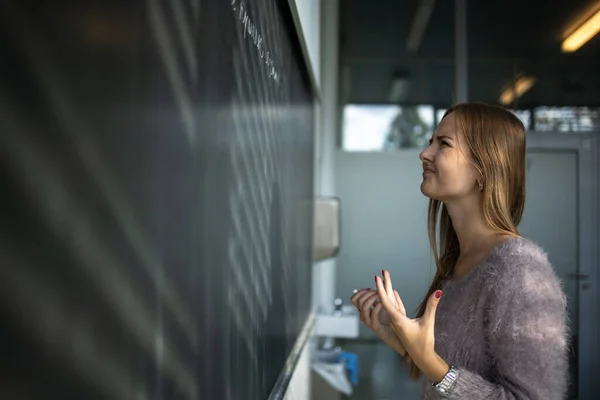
503 326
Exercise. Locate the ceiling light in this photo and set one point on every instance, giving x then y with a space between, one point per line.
583 34
399 87
517 89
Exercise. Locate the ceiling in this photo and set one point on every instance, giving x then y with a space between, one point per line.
504 38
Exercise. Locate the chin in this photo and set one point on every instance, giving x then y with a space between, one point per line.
429 192
426 193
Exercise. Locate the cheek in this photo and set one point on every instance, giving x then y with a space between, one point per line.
455 171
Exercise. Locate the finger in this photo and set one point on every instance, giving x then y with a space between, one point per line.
357 295
432 304
365 298
366 310
387 280
399 302
383 297
375 323
395 315
361 303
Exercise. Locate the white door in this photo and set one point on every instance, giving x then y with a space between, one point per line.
560 216
550 220
550 217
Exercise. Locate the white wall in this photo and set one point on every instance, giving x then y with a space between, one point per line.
324 272
300 384
317 25
309 15
328 125
384 217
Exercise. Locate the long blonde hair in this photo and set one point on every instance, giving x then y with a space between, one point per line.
497 143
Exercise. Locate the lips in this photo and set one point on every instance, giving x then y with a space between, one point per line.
427 168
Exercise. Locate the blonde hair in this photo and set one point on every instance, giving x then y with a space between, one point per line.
497 143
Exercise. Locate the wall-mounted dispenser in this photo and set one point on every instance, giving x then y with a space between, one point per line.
326 228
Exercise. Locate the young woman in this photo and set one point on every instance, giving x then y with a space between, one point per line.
500 329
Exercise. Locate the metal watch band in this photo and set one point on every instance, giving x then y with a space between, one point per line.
444 385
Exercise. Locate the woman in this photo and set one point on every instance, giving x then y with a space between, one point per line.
499 331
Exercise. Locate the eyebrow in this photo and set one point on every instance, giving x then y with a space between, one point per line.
440 137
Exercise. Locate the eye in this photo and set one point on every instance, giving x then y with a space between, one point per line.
445 143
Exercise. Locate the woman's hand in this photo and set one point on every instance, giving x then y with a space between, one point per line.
417 335
376 318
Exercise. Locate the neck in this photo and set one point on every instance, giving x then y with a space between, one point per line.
470 227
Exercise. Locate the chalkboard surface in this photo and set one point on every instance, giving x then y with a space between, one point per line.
157 166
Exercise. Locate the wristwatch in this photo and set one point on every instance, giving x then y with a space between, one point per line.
445 384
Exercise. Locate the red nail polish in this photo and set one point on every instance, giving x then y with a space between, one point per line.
375 278
382 272
438 294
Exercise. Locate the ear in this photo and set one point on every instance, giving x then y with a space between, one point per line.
479 178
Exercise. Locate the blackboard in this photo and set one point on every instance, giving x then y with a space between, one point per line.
157 182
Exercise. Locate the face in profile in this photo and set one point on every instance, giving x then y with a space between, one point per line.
448 173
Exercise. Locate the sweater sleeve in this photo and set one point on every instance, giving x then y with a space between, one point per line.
527 336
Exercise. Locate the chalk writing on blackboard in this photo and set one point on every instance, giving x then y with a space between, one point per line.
252 32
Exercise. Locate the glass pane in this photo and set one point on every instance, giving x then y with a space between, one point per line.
366 127
524 116
439 114
566 119
589 119
386 127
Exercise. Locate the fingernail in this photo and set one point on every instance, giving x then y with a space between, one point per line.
375 278
382 272
438 294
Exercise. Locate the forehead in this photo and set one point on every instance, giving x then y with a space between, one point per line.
448 127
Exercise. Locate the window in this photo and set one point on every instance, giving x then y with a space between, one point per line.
439 114
524 116
386 127
566 119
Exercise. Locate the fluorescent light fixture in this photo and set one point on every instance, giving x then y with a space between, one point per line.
398 90
517 89
583 34
419 24
399 86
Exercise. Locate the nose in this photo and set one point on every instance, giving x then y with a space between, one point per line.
426 154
